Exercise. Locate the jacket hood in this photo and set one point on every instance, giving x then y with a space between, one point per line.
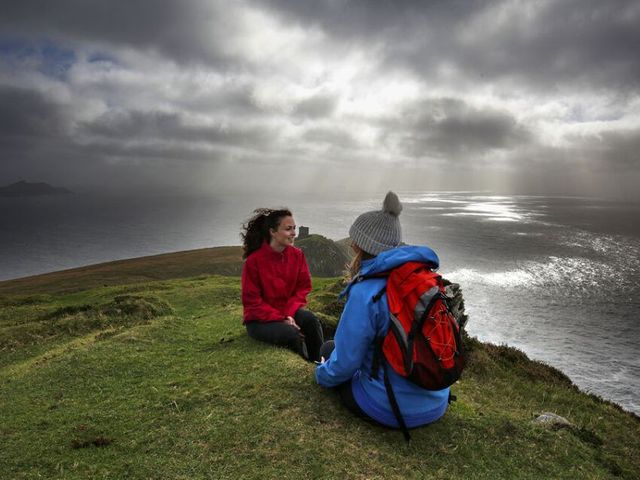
391 259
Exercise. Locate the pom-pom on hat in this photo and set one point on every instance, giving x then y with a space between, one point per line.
377 231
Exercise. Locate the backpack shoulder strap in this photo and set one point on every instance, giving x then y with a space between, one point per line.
379 295
377 356
394 404
378 359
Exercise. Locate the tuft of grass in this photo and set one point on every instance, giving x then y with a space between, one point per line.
324 302
74 320
513 358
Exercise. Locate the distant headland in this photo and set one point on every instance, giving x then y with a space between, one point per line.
26 189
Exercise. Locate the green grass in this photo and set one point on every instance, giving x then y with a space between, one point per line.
190 263
159 380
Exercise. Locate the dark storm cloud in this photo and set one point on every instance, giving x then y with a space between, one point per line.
29 117
579 43
449 127
146 154
539 44
181 31
96 86
363 19
26 113
172 126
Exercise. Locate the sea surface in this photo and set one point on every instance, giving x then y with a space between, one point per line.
558 277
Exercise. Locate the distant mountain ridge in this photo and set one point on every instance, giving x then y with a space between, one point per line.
26 189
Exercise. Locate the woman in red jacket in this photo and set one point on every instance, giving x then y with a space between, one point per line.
275 284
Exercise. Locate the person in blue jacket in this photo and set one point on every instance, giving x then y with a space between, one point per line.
376 238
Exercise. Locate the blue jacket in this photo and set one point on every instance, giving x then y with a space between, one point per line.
361 321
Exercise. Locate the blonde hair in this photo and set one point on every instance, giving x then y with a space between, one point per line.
354 266
356 263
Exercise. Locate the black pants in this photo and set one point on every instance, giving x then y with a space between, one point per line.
306 341
344 389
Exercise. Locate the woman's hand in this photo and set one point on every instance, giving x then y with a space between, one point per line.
292 322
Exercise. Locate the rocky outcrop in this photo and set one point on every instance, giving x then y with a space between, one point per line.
453 293
553 420
325 258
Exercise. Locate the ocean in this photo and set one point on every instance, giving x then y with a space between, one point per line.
557 277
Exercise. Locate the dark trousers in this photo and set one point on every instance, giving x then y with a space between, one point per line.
344 389
306 341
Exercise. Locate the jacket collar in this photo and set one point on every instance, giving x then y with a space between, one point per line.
267 250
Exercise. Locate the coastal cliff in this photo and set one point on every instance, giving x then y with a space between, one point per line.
108 371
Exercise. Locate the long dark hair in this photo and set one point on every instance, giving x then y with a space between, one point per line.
256 230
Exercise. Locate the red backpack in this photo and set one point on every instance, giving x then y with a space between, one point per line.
423 342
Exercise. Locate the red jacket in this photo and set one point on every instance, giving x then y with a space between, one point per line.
274 285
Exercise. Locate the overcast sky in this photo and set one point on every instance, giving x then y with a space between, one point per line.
510 96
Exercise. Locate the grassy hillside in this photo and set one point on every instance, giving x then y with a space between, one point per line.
325 258
218 260
157 379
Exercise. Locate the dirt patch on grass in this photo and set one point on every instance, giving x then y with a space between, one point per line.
91 442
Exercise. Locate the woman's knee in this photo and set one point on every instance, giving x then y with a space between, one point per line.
277 333
303 317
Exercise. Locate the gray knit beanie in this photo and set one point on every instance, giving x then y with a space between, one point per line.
377 231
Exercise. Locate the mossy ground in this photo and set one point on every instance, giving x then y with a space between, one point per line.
159 380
